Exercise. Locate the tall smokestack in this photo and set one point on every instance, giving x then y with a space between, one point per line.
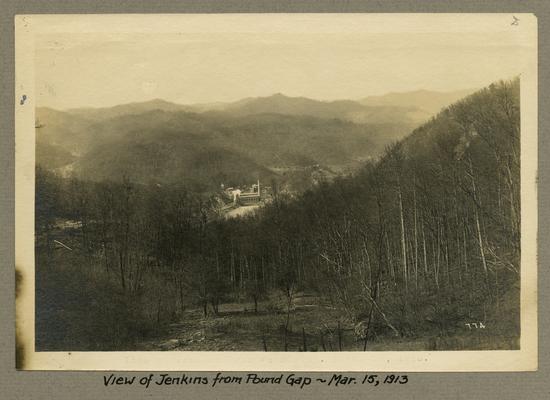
259 192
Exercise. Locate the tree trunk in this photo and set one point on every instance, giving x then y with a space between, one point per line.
478 227
403 245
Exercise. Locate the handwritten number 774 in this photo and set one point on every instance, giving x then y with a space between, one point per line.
476 325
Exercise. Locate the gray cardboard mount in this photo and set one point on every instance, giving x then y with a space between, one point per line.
89 385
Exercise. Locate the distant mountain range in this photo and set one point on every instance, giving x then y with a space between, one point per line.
430 102
275 137
415 106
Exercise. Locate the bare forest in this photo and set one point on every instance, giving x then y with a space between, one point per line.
402 238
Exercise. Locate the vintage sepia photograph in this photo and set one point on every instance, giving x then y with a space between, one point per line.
359 184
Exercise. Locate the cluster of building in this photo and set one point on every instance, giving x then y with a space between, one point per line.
246 196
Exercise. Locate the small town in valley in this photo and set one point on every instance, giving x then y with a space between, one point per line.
241 200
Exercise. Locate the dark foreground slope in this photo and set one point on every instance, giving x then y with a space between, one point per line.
424 242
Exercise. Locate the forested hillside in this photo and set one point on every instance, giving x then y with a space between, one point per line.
204 150
170 148
414 248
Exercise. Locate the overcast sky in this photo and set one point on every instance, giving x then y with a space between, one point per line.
108 68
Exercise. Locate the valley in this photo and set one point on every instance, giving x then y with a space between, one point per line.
280 224
295 141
